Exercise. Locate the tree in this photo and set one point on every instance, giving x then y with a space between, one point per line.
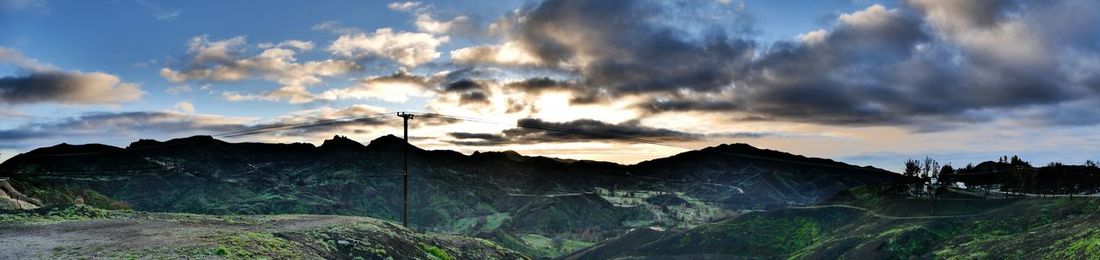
912 168
945 173
930 168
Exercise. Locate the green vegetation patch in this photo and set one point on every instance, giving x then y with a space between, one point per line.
54 214
435 252
1082 246
243 245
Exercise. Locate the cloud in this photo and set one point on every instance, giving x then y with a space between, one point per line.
220 61
158 12
205 50
16 58
45 83
406 48
296 44
319 123
404 6
185 107
530 131
881 66
336 28
396 88
921 64
122 127
617 47
119 124
458 25
506 54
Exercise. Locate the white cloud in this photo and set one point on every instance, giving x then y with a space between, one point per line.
404 6
406 48
278 63
873 16
185 107
296 44
335 27
179 89
974 26
385 89
508 53
206 50
425 22
813 37
16 58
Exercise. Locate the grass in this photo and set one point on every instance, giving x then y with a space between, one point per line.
546 247
435 252
56 214
251 245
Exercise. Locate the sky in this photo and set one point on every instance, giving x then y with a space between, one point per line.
864 82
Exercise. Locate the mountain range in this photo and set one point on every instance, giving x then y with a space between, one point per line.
539 206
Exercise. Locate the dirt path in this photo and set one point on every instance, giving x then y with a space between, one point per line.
105 235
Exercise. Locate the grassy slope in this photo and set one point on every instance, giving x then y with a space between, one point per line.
84 231
1028 229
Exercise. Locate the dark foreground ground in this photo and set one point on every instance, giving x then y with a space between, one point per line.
85 232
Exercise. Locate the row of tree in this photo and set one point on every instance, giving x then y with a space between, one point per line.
1008 174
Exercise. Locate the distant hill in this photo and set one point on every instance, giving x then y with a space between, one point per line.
490 194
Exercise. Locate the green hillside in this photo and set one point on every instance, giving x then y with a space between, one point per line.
886 228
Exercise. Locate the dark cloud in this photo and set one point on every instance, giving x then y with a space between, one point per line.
626 50
920 63
657 106
47 84
887 67
529 131
469 91
540 84
463 85
473 97
312 125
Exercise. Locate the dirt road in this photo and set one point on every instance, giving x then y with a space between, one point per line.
158 231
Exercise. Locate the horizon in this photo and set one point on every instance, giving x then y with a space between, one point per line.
471 152
860 82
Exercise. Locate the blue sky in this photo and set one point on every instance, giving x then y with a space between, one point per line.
811 77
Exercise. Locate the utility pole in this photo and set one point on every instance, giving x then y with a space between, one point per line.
405 196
